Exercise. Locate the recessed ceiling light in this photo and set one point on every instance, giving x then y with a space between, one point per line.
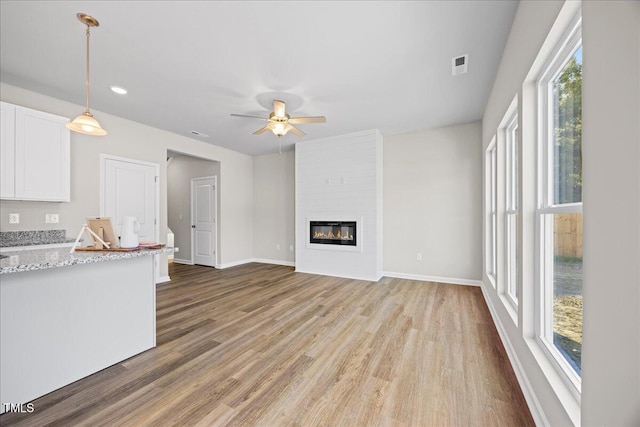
118 89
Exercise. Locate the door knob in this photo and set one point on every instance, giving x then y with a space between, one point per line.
193 226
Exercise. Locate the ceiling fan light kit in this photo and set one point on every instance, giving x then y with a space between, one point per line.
85 123
280 123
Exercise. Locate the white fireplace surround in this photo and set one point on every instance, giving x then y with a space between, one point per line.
359 233
345 190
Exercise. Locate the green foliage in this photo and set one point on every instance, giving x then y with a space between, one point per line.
567 90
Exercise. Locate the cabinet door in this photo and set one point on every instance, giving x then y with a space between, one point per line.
7 150
42 156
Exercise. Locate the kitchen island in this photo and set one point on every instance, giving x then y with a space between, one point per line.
65 316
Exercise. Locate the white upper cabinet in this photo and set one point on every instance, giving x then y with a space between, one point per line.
7 150
41 155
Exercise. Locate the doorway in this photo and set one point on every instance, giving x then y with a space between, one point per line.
181 169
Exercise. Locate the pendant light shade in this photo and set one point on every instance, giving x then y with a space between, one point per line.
85 123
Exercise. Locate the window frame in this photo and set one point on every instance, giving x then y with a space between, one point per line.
545 207
512 181
491 165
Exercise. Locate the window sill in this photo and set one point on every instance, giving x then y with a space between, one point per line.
569 397
511 306
492 280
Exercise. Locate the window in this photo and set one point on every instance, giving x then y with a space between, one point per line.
559 211
511 210
492 187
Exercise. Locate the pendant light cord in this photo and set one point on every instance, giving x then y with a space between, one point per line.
88 81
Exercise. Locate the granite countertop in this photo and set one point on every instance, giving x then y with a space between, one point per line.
10 239
41 259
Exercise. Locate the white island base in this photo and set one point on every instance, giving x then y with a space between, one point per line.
61 324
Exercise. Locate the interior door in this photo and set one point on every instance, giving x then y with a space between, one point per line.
203 220
129 189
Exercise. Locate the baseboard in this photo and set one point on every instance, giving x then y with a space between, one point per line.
163 279
529 395
449 280
234 263
182 261
344 276
274 261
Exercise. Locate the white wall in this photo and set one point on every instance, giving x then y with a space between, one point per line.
136 141
180 171
433 204
611 172
274 208
531 26
340 178
611 162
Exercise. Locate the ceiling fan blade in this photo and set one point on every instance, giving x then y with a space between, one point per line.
278 108
249 117
263 129
295 130
315 119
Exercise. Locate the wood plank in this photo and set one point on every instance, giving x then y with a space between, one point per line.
262 345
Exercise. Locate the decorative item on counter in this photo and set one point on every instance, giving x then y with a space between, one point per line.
100 231
130 228
148 244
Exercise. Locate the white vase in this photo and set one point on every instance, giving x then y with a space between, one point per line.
130 228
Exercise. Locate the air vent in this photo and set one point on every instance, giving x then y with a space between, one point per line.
198 134
459 65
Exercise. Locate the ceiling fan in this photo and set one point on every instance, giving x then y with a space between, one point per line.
280 122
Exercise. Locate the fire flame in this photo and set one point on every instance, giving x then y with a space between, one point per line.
331 235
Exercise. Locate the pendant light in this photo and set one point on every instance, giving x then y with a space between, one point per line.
85 123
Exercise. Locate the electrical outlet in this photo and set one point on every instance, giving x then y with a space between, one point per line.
278 247
14 218
51 218
419 256
290 248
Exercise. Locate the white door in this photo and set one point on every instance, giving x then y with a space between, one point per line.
203 220
129 189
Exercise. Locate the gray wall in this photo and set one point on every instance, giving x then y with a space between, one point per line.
611 162
274 209
180 171
432 203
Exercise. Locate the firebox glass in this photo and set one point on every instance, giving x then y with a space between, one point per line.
333 232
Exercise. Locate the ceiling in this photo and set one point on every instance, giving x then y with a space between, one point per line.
189 64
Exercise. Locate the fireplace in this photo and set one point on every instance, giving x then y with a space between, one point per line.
341 233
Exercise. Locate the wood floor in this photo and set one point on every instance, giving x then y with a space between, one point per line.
260 345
